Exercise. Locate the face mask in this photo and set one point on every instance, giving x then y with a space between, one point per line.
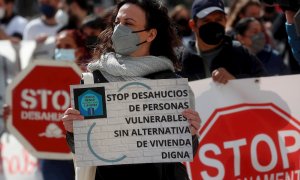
212 33
2 13
258 42
64 54
47 10
61 17
125 41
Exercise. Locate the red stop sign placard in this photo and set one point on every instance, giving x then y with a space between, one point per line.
38 97
248 141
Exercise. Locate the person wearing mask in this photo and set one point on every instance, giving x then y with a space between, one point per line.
41 28
249 31
138 44
293 38
213 54
70 46
11 24
62 16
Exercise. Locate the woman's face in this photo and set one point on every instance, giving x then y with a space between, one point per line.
253 29
65 40
253 11
134 17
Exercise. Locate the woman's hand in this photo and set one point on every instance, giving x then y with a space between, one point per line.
194 120
69 116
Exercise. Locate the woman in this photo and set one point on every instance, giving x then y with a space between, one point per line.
242 9
137 45
249 31
70 46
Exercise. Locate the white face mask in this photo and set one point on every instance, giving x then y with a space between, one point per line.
64 54
2 12
61 17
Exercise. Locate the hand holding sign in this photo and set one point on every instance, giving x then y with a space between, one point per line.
132 122
71 115
194 120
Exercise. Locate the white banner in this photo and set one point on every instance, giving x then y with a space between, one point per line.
16 161
251 129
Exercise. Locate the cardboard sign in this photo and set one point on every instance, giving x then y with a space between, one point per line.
132 122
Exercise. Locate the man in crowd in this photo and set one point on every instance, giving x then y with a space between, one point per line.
11 24
213 54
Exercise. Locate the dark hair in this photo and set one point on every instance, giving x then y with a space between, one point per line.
157 18
242 26
9 1
94 22
239 7
83 4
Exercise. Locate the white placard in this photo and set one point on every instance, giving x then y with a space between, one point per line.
250 129
139 122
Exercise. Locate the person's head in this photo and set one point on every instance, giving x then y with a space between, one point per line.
6 8
70 47
49 7
249 31
91 28
140 28
181 16
208 23
62 16
78 9
243 9
252 8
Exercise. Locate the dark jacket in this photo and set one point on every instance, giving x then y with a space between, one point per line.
272 61
150 171
233 57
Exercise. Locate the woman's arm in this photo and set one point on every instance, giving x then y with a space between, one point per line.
293 38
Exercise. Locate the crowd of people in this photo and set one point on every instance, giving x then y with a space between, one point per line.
210 39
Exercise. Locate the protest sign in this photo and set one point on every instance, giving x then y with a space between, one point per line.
16 162
38 96
251 129
132 122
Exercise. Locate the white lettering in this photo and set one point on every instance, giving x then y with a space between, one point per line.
26 95
44 97
211 162
235 145
282 136
30 99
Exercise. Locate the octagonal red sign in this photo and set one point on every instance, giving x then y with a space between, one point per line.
38 97
248 141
